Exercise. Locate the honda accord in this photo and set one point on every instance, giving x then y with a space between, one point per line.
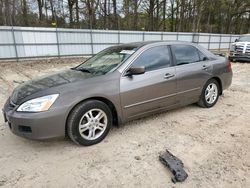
119 84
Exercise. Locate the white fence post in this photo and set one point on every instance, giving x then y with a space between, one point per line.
91 41
119 39
209 41
57 42
195 38
220 43
14 43
230 41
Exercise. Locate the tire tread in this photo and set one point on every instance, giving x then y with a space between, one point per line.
75 113
202 102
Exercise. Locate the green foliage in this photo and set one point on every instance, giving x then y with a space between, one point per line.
217 16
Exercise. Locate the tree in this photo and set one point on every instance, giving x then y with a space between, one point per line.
40 9
115 14
218 16
70 5
25 12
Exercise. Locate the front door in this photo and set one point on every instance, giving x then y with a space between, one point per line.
155 89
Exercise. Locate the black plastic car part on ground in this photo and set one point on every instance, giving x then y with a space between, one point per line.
175 165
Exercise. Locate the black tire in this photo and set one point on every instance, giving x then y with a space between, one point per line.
78 112
203 102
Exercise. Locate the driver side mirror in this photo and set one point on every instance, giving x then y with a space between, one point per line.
236 40
135 71
205 59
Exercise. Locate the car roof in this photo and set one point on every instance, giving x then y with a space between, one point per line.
144 43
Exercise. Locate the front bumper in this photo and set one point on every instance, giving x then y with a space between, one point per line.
36 126
239 57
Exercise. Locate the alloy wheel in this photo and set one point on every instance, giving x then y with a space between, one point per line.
93 124
211 93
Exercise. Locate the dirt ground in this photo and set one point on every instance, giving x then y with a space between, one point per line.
214 144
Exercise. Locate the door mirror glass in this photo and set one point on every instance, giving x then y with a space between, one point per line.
135 71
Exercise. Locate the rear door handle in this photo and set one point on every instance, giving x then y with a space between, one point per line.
168 75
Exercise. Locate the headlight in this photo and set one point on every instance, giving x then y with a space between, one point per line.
39 104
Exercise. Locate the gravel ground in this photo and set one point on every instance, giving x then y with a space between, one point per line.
214 143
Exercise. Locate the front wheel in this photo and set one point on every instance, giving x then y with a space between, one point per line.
210 94
89 122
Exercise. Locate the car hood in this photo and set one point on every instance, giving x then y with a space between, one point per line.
42 83
241 43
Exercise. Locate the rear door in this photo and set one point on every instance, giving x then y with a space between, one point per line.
155 89
193 69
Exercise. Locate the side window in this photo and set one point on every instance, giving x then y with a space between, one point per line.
185 54
153 58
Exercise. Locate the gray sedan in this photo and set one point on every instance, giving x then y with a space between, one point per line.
119 84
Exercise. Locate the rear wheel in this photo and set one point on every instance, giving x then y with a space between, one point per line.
89 122
210 94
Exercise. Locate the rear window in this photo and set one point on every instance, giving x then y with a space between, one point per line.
185 54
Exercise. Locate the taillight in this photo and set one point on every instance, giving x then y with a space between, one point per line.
229 66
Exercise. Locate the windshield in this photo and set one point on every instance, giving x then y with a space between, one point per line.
107 60
244 39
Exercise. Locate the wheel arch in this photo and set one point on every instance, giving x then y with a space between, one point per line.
201 101
219 82
116 120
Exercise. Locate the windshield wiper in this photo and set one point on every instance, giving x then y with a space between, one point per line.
81 69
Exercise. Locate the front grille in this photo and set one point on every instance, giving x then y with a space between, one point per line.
242 49
239 48
24 129
247 49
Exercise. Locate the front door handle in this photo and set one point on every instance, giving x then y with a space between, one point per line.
168 75
204 67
